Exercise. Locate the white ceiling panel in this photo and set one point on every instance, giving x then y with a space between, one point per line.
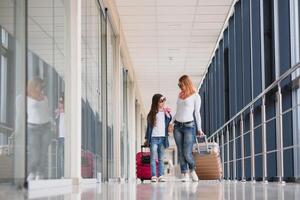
174 18
169 38
212 10
179 3
211 18
136 3
138 11
207 25
215 3
139 19
176 11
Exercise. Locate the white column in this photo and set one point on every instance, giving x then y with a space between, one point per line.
73 91
20 74
131 131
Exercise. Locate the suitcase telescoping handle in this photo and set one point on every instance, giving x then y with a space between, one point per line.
144 147
201 139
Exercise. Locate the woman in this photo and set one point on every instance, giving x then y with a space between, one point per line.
157 135
39 129
187 113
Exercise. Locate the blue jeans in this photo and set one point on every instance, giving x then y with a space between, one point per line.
157 151
38 140
184 136
60 157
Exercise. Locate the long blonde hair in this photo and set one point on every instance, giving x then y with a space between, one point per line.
189 86
33 85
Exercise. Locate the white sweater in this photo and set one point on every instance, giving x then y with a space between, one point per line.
185 110
38 111
159 130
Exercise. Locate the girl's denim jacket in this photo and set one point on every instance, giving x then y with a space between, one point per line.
149 129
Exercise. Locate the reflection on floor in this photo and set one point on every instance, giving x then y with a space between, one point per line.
210 190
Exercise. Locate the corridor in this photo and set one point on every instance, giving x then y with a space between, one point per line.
86 86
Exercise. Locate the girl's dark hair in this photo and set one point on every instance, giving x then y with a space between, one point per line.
154 109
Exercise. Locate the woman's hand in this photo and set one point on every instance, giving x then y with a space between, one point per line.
146 143
170 128
200 133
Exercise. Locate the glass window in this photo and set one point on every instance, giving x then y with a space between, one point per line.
124 130
46 88
3 89
269 50
91 95
12 91
111 49
256 48
4 38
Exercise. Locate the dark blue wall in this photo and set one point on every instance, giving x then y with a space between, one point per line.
237 75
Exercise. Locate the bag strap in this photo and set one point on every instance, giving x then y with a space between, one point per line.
205 140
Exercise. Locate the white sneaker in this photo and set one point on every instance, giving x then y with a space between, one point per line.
194 176
161 179
153 179
185 177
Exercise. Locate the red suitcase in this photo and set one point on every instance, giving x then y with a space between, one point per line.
143 168
87 164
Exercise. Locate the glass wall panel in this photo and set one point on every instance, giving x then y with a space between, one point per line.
91 84
124 130
103 155
12 91
111 49
256 47
231 68
238 56
47 32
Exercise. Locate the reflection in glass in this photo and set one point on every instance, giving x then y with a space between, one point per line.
3 91
38 129
91 84
46 85
4 38
60 119
124 130
111 49
12 91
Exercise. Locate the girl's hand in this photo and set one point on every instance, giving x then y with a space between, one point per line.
170 128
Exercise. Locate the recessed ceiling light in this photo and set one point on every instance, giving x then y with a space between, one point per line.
173 50
173 26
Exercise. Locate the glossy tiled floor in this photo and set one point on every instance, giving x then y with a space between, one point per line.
209 190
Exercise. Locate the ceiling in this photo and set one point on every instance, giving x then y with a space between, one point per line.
169 38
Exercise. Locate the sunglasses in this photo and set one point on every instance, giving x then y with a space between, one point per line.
179 85
162 100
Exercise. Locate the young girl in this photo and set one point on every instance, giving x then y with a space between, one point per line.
158 121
